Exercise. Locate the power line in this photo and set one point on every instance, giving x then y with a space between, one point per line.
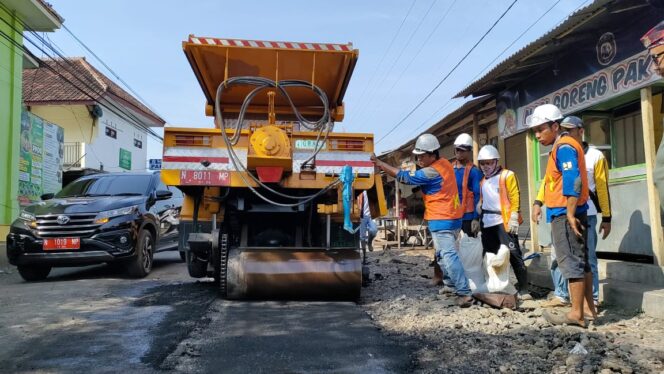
403 71
394 63
501 53
448 74
380 63
109 69
110 105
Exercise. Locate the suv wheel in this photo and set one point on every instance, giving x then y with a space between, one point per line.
183 256
34 273
141 265
196 268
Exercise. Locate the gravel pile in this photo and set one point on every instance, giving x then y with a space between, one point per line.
402 303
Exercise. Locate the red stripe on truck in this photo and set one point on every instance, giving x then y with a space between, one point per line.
215 160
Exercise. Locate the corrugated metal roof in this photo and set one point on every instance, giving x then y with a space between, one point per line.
462 111
530 58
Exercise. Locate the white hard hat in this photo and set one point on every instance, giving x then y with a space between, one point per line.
488 152
543 114
426 143
463 140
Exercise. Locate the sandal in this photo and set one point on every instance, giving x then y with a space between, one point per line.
560 319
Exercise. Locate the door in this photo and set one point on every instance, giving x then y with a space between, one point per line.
515 149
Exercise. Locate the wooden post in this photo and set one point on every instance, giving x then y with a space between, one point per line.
397 196
532 192
476 134
650 148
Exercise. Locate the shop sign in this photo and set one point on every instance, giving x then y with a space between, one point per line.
630 74
125 159
40 159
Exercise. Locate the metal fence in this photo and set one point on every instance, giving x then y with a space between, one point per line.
72 155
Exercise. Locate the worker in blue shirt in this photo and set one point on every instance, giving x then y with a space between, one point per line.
565 195
468 178
443 210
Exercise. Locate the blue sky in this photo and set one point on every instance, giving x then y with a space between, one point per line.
141 41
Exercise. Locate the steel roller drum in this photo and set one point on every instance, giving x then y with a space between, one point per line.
277 273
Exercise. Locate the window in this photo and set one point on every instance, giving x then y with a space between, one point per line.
111 132
100 185
597 131
628 140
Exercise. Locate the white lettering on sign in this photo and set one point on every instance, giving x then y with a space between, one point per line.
630 74
307 144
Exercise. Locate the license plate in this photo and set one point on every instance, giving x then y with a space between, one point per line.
62 243
205 178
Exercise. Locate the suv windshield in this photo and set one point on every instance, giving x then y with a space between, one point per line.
107 185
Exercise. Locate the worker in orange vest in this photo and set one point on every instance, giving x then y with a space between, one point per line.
499 202
443 210
468 181
565 196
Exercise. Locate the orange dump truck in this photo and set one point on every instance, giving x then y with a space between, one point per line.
264 205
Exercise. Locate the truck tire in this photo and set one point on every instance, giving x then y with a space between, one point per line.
34 273
196 268
141 264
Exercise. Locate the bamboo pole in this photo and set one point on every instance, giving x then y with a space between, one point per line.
532 192
647 118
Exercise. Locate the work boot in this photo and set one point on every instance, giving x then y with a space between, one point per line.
437 275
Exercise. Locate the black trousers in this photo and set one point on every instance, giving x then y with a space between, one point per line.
466 227
495 236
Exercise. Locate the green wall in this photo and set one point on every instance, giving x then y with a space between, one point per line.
11 67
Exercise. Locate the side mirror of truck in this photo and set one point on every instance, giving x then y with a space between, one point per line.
163 194
47 196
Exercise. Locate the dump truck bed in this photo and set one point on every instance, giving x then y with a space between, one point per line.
328 66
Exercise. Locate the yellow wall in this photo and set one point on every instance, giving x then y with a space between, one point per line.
75 119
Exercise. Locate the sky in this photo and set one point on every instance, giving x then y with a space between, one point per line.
406 48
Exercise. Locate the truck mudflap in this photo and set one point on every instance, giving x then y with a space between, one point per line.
263 273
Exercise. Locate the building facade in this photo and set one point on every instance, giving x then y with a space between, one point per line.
106 129
16 17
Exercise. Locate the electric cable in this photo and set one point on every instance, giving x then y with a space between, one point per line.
448 74
387 51
394 63
110 105
501 53
264 83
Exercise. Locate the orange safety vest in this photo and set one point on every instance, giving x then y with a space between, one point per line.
467 196
445 203
553 192
505 204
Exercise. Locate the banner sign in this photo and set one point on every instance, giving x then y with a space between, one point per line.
40 159
607 61
631 74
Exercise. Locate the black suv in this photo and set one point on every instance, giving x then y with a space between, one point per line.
114 217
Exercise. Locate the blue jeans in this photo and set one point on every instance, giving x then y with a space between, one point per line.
561 283
368 229
445 242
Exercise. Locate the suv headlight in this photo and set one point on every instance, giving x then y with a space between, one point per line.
104 217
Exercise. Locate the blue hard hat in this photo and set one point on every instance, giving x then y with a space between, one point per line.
572 122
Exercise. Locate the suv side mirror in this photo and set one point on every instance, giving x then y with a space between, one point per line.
164 194
47 196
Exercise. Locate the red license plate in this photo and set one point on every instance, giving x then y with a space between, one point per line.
205 178
62 243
